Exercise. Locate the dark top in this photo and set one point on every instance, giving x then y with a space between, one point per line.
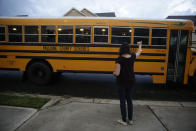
126 69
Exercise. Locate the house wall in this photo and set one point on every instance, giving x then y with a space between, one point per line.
74 13
87 13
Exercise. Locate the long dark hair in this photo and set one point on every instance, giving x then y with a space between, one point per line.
124 49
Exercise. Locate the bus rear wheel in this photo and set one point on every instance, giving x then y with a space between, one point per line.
39 73
193 80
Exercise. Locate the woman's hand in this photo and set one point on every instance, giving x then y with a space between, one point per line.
114 73
139 43
117 70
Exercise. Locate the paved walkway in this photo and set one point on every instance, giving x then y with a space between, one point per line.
75 114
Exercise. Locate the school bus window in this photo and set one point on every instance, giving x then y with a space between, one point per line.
159 36
48 33
31 33
2 33
65 34
121 35
83 34
141 34
101 34
15 33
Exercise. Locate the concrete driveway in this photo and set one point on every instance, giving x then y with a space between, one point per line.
79 114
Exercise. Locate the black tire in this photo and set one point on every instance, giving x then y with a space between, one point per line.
24 76
56 76
39 73
193 80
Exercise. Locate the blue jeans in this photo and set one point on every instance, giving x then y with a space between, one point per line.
125 92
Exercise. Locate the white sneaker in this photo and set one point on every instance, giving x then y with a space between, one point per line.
122 122
130 122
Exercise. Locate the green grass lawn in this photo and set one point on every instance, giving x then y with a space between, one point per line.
23 101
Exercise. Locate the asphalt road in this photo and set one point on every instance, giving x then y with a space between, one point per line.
94 86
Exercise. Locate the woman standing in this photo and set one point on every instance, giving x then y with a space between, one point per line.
125 79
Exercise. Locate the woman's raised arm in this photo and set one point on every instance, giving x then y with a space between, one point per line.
139 49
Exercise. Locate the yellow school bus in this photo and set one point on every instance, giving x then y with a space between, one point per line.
41 46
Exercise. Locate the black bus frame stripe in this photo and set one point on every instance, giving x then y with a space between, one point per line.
153 54
3 56
88 58
12 69
84 45
149 60
109 72
148 73
79 52
194 53
68 52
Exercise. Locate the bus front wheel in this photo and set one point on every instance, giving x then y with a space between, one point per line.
39 73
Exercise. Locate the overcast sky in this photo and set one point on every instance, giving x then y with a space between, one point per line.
122 8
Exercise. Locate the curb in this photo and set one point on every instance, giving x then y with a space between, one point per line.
52 102
136 102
